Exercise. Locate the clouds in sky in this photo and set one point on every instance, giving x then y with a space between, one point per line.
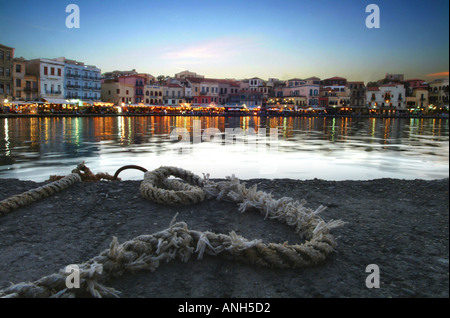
219 48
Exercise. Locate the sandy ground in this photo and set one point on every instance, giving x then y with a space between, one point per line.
400 225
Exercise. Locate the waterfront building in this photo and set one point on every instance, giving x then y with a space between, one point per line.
357 94
188 92
439 92
116 92
335 98
153 94
210 87
138 82
251 99
81 81
234 96
244 85
296 103
25 86
205 100
51 78
417 100
194 84
228 91
6 72
386 99
308 88
254 83
19 78
209 90
173 94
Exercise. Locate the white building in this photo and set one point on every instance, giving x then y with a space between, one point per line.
254 83
386 98
51 78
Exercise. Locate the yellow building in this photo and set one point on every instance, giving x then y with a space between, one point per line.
418 101
117 93
153 94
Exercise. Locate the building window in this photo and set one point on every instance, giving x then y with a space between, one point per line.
8 89
45 70
59 72
2 89
18 82
2 72
2 55
18 68
118 91
8 56
7 72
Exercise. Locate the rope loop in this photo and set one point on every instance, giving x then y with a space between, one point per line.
157 186
179 242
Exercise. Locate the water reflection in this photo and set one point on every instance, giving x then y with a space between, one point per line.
306 147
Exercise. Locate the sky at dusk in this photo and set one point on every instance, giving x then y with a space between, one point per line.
237 39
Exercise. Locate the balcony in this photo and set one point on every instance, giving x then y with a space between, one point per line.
73 75
73 86
30 89
53 92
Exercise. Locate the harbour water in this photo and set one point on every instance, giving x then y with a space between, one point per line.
280 147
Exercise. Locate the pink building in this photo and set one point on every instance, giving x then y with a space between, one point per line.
138 81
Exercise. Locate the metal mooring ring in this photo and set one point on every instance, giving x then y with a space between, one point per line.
128 167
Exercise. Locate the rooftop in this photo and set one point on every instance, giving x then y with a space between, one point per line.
335 78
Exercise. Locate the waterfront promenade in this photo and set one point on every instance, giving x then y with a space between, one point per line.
13 115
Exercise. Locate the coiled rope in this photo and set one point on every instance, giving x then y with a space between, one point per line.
178 242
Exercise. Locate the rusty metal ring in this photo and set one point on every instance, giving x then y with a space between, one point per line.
128 167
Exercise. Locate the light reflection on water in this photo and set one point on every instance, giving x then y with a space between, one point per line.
305 147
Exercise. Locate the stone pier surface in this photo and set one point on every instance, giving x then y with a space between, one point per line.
402 226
